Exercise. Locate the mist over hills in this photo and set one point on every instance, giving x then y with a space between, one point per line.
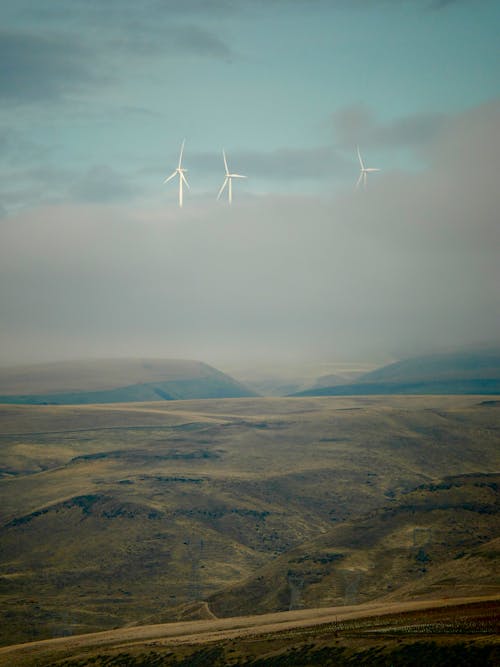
116 381
474 371
153 508
464 372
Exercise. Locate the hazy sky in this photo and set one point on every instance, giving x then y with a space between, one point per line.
95 257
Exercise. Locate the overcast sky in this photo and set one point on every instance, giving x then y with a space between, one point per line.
96 259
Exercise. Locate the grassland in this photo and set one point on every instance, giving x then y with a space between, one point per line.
141 513
438 634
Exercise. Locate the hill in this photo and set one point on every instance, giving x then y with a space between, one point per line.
466 372
435 633
138 513
439 539
282 379
115 381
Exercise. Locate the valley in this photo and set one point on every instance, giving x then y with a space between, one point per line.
133 514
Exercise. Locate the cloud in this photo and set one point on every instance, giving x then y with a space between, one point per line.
408 265
16 149
25 187
36 67
103 184
427 4
140 34
358 124
74 51
366 4
135 29
116 8
178 40
441 4
284 164
201 42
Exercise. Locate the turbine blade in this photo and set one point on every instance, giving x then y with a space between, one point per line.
238 176
360 159
184 179
359 180
182 151
170 177
222 188
225 161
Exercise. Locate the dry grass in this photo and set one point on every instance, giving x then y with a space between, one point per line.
124 513
469 616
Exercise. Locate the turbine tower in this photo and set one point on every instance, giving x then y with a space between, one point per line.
180 172
228 181
364 171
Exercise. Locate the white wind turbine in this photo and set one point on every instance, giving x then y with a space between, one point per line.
364 171
228 181
180 172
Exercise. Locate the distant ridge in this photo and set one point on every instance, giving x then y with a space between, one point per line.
466 372
115 381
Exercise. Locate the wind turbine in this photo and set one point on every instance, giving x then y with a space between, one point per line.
363 174
179 171
228 181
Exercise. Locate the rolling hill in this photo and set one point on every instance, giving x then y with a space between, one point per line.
115 381
466 372
139 513
438 539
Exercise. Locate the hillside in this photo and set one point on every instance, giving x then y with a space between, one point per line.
435 633
439 539
119 514
115 381
282 379
467 372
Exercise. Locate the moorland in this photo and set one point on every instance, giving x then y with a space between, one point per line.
132 514
439 633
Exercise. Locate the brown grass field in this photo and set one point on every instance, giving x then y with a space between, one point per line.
473 618
137 514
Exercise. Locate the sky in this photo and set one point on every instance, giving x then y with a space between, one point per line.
96 258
